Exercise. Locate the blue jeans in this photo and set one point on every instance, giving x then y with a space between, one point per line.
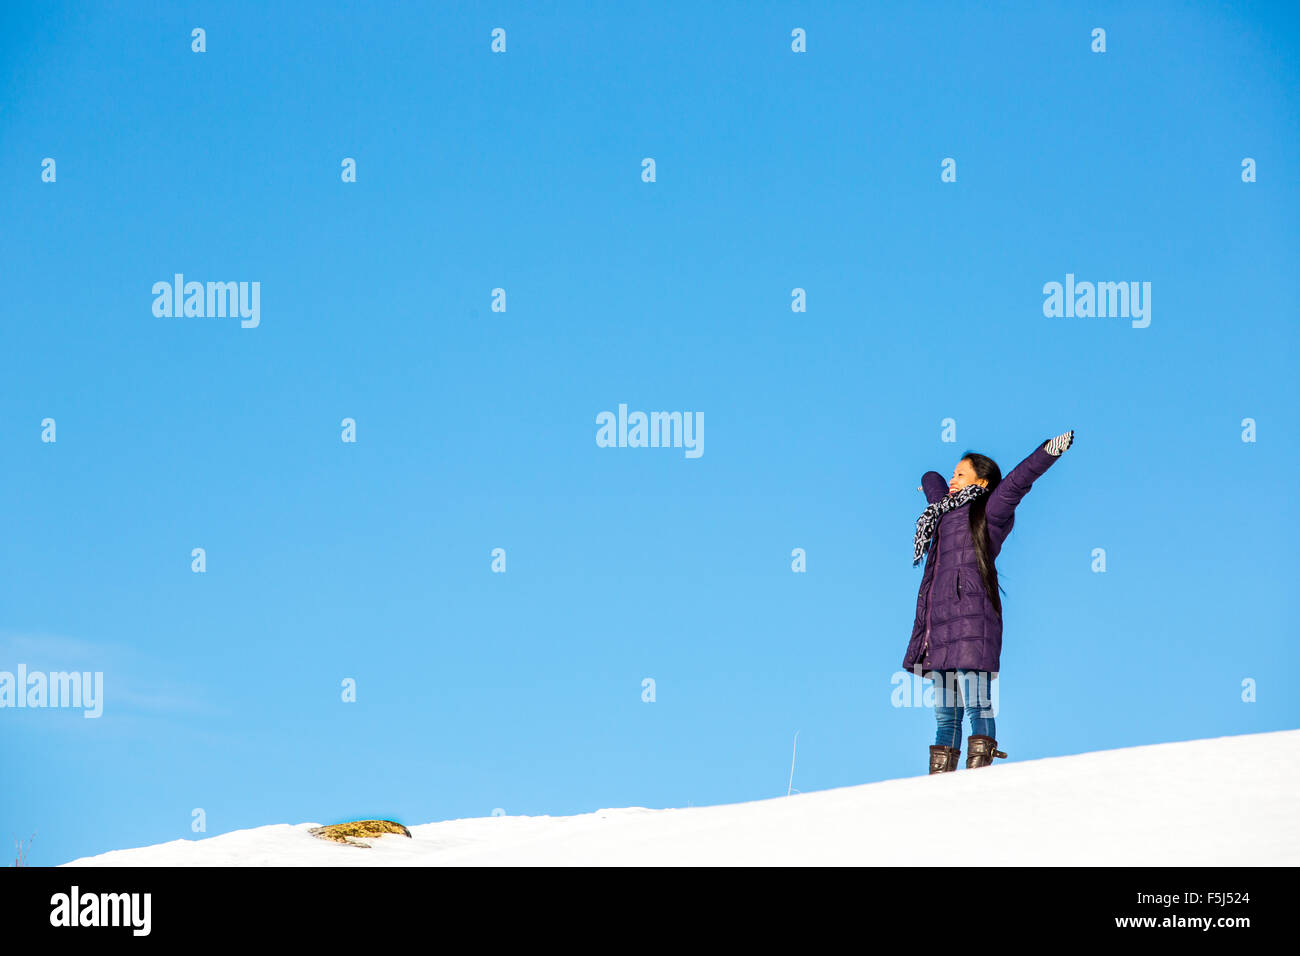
952 690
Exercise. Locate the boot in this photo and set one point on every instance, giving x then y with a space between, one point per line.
943 759
980 751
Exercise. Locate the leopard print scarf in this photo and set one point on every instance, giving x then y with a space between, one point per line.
929 519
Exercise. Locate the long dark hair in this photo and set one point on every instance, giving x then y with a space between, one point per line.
986 468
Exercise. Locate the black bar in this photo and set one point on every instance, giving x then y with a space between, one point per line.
1036 905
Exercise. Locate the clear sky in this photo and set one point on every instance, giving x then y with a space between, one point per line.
476 429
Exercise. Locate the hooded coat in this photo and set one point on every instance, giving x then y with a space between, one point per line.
956 626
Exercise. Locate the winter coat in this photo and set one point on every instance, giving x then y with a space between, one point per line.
956 626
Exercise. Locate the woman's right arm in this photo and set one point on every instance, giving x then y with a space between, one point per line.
934 486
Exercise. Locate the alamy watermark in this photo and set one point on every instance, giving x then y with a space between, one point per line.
215 300
655 430
75 908
977 689
82 689
1101 299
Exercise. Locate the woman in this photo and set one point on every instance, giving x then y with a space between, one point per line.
957 633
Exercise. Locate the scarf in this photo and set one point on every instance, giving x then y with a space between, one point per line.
929 520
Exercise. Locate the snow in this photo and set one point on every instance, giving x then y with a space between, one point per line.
1215 802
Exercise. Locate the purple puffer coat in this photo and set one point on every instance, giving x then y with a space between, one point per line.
956 626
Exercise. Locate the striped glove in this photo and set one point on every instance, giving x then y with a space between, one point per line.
1058 444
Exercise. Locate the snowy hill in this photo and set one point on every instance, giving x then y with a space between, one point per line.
1221 801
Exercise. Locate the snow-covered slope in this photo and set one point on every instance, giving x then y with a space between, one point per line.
1221 801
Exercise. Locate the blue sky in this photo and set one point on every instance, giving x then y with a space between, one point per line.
476 429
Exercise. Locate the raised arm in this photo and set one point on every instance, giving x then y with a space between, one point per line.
1002 502
934 485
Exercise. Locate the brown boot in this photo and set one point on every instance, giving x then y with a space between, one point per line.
980 751
943 759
